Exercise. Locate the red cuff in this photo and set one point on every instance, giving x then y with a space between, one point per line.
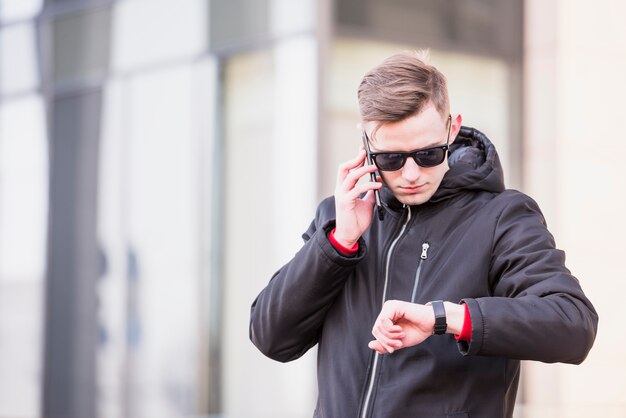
343 250
466 332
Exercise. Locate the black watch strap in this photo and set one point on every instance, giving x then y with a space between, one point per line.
441 324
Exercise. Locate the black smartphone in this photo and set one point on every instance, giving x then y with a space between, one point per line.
368 156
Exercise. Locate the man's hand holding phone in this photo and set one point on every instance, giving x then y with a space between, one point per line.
353 214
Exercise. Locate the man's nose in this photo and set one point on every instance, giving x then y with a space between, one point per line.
411 171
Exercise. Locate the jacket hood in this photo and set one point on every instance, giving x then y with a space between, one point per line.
474 165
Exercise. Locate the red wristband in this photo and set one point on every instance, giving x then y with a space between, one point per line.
466 331
343 250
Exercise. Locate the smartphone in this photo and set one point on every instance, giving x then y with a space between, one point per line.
379 206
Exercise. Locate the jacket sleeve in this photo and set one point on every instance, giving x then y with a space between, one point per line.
286 318
538 310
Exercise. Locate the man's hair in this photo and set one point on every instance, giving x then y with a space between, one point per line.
401 87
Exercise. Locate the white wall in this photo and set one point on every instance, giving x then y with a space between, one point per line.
575 142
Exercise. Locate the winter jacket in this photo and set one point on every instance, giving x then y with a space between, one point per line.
473 242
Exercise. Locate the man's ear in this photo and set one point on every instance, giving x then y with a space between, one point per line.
457 121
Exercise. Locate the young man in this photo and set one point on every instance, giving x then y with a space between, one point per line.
428 311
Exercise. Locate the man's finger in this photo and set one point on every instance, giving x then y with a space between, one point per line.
344 168
389 342
376 346
361 188
353 177
380 348
389 331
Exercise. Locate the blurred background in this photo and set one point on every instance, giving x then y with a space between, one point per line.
159 160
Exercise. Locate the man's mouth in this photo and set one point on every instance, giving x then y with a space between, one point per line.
412 189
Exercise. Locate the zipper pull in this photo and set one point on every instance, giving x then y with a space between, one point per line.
425 248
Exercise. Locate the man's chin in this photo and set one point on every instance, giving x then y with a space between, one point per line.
414 199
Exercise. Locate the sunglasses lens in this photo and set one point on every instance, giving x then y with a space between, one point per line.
395 161
389 162
430 157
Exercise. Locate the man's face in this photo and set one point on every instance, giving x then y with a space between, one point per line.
412 184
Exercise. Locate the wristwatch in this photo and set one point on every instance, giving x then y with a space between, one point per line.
441 324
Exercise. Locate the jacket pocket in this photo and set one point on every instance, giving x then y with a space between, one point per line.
458 415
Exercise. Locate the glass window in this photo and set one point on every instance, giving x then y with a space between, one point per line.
238 22
23 189
292 16
483 26
11 10
155 31
113 372
21 313
149 226
81 45
23 219
18 63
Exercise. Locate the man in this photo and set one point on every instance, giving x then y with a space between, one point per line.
428 311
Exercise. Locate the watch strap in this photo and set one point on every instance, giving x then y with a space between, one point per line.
441 324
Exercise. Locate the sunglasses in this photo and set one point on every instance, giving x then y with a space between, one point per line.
395 160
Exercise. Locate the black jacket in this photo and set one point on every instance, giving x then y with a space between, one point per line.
474 242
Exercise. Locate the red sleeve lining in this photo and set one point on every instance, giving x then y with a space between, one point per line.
343 250
466 331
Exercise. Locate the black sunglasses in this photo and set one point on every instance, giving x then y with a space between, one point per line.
427 157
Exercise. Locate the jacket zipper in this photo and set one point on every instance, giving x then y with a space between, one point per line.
424 256
370 386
